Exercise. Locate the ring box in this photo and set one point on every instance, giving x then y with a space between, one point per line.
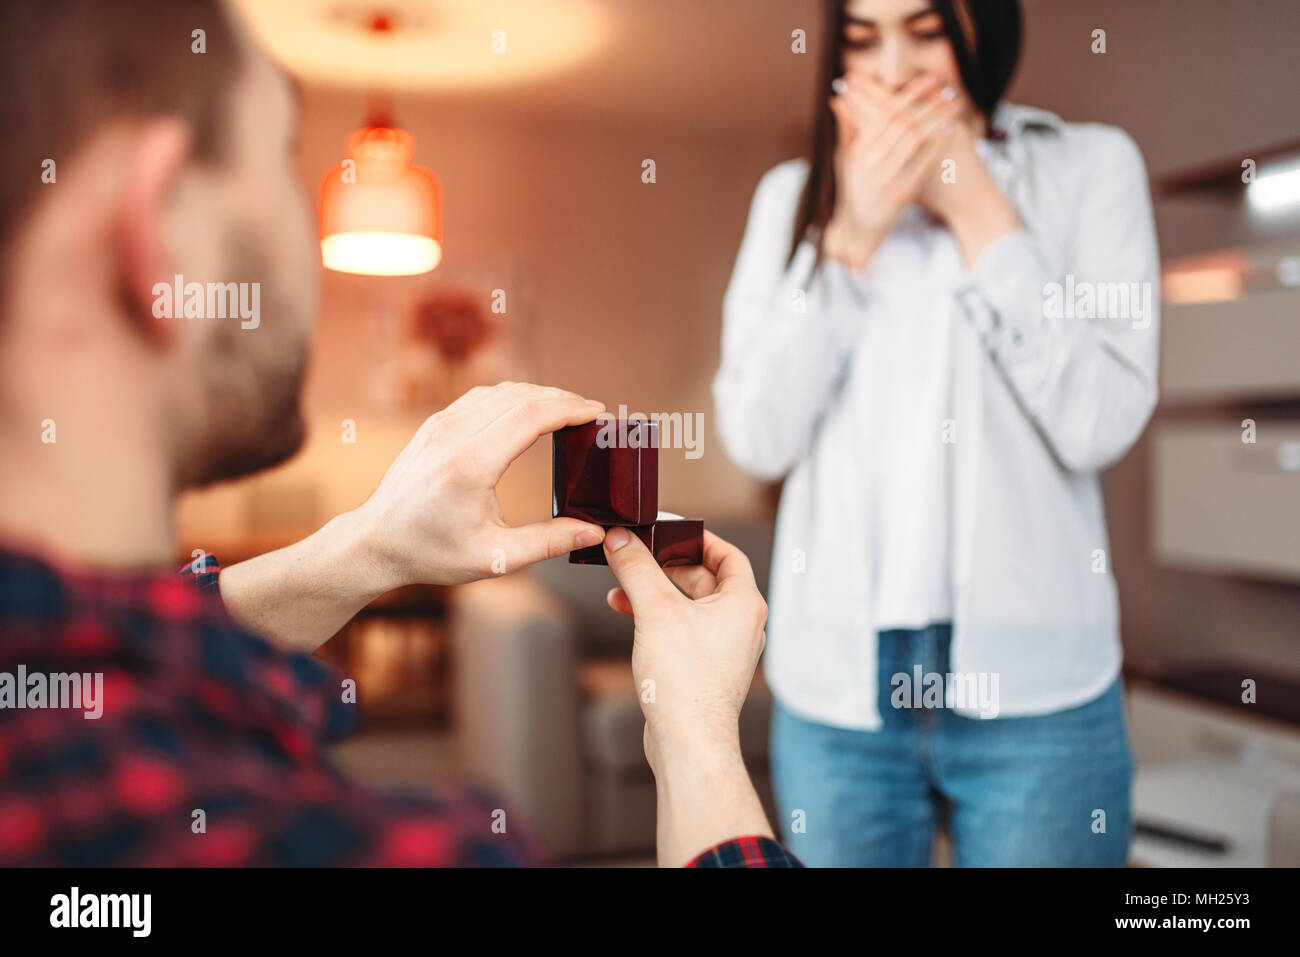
607 472
672 540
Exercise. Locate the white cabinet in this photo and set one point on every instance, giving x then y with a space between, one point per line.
1245 348
1222 505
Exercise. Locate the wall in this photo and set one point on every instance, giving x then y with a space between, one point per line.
614 287
620 283
1194 83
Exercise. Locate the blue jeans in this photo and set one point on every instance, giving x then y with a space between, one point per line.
1046 790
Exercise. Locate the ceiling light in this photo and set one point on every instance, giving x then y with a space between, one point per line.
380 214
1275 187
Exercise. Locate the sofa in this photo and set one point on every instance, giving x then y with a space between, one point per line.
546 710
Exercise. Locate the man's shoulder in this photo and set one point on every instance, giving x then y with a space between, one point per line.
207 745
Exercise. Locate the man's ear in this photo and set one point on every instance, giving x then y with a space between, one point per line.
158 154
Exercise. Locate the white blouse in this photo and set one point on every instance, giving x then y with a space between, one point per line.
908 419
942 428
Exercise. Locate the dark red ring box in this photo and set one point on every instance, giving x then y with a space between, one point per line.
672 541
607 472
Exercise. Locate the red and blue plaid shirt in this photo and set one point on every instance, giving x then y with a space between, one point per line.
210 747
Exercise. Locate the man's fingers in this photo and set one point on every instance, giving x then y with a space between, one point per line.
518 427
500 399
539 541
618 600
728 564
472 397
696 580
482 405
642 579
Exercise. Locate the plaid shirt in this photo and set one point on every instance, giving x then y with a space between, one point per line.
210 747
747 852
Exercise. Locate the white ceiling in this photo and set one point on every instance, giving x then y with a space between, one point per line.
1192 80
725 63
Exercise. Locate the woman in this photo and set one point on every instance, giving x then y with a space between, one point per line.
924 336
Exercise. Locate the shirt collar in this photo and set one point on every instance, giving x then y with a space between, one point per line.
1010 120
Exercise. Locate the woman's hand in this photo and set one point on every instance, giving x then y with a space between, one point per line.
889 143
968 201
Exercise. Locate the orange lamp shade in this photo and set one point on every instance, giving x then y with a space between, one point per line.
380 215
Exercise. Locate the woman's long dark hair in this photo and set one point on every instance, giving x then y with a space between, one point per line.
985 38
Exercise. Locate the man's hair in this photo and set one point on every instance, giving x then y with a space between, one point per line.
67 67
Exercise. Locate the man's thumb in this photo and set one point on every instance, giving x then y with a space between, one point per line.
635 568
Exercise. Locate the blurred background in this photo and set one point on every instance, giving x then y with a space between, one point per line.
561 264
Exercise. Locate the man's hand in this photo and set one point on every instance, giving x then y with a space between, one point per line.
700 652
434 519
693 659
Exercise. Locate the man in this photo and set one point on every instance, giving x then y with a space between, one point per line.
132 159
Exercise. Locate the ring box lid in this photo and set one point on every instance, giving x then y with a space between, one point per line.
606 472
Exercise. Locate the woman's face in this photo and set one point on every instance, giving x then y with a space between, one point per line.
894 40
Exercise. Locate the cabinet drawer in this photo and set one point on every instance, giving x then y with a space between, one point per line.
1242 349
1222 505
